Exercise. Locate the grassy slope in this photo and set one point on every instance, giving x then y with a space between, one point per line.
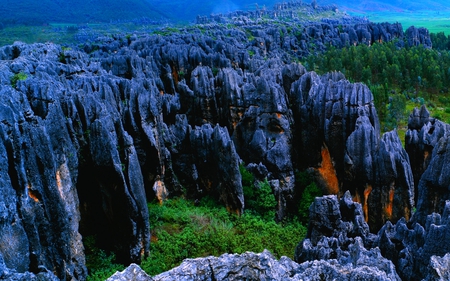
45 11
32 12
434 21
388 5
182 230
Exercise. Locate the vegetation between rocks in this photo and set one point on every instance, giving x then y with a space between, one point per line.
399 78
183 229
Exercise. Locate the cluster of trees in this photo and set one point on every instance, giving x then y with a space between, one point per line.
393 74
406 69
440 41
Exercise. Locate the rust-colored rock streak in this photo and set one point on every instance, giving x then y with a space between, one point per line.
390 203
328 173
365 206
33 195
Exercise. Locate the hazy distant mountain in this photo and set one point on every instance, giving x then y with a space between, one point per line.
91 11
73 11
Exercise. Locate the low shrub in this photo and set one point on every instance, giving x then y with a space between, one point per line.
18 77
181 229
309 191
101 265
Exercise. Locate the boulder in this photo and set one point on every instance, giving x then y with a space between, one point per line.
132 273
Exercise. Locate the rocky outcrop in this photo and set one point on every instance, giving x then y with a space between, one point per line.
303 36
263 266
89 134
347 152
418 36
433 185
410 249
334 226
426 143
417 250
132 273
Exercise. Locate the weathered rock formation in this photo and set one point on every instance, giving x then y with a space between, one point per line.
427 144
131 273
415 251
338 135
366 265
89 134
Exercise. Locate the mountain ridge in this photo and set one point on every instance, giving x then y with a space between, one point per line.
43 12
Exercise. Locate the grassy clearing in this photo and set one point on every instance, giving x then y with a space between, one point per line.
439 108
182 230
434 21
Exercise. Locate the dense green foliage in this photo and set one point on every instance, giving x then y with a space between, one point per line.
18 77
440 41
180 230
394 75
100 264
414 69
259 198
183 229
309 191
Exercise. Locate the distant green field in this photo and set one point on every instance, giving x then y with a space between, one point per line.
434 21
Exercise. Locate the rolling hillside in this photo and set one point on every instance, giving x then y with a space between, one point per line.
388 5
70 11
31 12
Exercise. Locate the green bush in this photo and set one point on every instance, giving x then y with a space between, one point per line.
259 199
309 191
182 230
396 110
100 264
18 77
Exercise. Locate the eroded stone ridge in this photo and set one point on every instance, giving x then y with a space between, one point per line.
413 250
89 134
367 265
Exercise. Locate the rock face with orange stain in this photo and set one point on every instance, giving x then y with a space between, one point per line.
427 146
433 188
338 136
89 133
413 251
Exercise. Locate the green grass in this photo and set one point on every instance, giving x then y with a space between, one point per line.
432 20
101 265
182 230
438 108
